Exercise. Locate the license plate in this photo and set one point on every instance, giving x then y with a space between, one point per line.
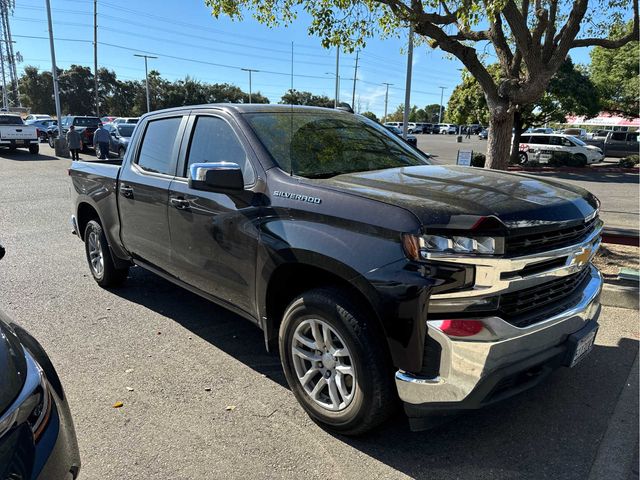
582 346
19 142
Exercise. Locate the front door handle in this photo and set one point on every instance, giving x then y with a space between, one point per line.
180 203
126 191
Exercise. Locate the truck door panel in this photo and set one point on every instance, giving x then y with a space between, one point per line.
213 234
143 192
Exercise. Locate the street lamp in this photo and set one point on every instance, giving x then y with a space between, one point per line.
441 97
250 70
146 76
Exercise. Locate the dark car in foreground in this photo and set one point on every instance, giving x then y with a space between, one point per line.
376 274
37 436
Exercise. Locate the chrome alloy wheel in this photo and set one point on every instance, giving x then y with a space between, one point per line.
323 365
96 257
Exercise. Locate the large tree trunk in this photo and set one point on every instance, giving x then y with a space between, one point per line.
499 141
518 130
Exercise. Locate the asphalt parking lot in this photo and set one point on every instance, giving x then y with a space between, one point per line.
618 192
208 402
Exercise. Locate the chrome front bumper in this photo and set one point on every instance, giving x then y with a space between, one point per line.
465 363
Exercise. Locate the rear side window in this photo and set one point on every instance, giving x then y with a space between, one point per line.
214 140
619 136
539 140
632 137
10 120
156 153
525 139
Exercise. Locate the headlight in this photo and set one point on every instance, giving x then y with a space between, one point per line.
419 247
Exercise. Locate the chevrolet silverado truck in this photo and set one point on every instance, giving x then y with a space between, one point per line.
15 134
373 273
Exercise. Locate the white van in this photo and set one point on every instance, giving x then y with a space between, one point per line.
540 147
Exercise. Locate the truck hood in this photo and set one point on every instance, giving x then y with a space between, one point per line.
13 366
455 197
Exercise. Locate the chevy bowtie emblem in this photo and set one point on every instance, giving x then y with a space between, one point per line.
583 257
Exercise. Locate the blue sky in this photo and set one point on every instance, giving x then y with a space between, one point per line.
189 41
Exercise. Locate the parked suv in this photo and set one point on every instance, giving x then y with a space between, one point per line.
541 147
621 144
85 126
374 273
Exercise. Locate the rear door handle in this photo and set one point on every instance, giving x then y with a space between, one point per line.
126 191
180 203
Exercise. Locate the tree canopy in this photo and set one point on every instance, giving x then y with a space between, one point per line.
530 40
118 97
296 97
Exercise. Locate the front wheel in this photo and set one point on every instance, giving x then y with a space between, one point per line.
121 152
522 157
336 362
51 142
99 257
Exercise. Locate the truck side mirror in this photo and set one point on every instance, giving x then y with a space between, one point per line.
217 176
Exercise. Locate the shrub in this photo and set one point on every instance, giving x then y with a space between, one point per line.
629 162
478 160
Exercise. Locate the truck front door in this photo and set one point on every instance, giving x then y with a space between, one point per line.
143 191
213 234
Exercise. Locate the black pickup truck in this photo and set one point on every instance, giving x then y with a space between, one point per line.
375 274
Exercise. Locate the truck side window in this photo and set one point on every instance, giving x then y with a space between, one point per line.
214 140
619 136
157 145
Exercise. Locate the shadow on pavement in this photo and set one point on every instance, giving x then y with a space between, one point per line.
551 431
25 156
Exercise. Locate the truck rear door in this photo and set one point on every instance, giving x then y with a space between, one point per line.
143 190
13 128
213 236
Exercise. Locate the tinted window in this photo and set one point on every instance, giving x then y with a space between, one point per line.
525 139
632 137
323 145
619 136
11 120
86 121
539 140
156 153
213 140
125 130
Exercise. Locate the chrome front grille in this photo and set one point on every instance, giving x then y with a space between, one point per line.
537 242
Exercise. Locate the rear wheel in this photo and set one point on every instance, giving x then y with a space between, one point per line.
99 257
121 152
336 362
51 142
34 149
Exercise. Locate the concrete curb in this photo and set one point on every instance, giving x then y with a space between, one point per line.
619 296
617 452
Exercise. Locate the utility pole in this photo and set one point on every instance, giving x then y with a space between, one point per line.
407 91
355 78
441 96
95 55
60 142
337 98
250 70
386 101
146 76
5 104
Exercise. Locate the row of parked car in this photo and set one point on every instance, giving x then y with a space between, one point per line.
437 128
119 128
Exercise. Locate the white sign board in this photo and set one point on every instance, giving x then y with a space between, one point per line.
464 158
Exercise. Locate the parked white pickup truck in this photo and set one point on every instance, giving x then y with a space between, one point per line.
15 134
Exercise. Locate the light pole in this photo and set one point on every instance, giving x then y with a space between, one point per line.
95 55
441 96
60 143
337 98
355 78
146 76
407 90
250 70
386 101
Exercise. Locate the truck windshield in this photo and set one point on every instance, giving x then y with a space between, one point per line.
10 120
323 145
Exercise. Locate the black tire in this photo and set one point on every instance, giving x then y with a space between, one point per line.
374 398
121 152
580 160
51 142
98 150
522 157
34 148
12 148
108 275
